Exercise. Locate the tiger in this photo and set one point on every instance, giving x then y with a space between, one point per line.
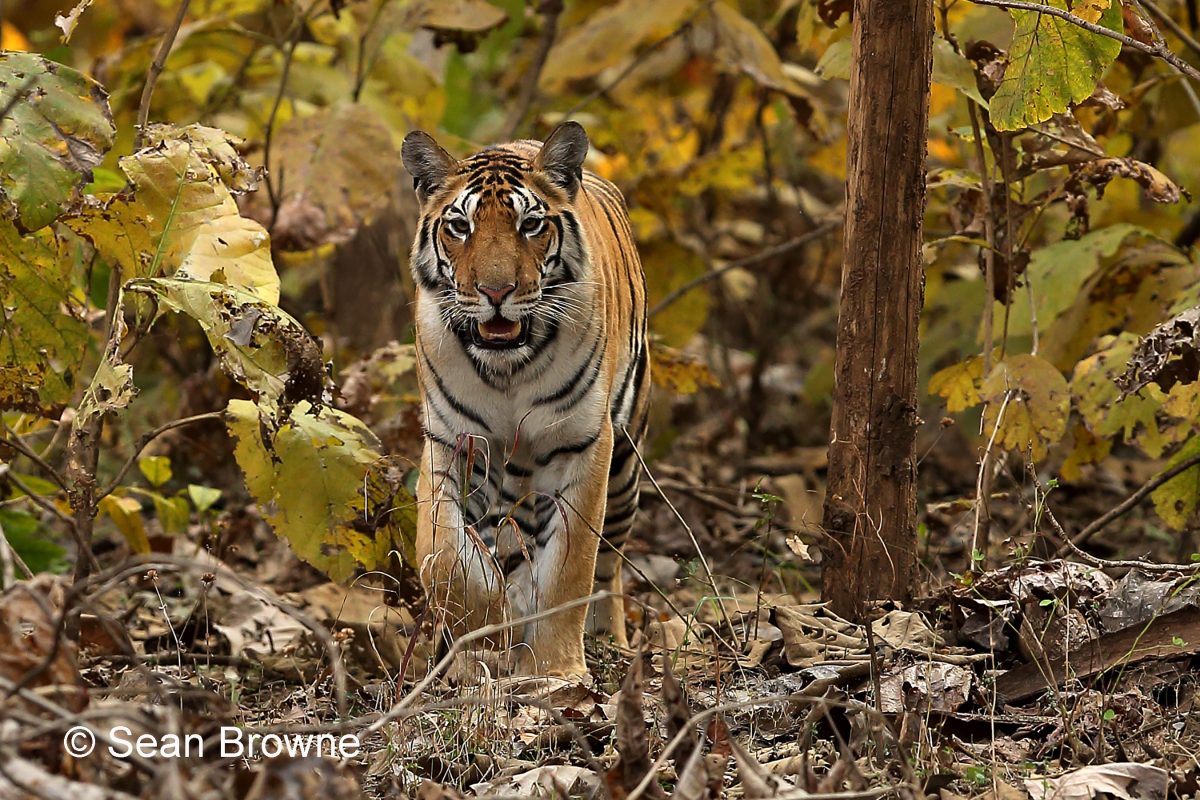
534 374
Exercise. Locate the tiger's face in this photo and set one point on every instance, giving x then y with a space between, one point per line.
498 249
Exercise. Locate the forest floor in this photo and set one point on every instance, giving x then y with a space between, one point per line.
1043 678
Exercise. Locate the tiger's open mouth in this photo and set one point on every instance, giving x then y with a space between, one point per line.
499 333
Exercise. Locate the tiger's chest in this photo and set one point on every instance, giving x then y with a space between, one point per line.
553 405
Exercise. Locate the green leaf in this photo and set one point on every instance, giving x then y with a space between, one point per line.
1060 272
955 71
203 497
156 469
259 345
324 486
180 216
1028 404
55 129
29 540
1176 501
1105 409
43 333
1052 63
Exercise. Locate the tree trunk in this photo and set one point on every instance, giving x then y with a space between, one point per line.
870 505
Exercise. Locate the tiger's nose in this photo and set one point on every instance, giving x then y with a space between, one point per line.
496 293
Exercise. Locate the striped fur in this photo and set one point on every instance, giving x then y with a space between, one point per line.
531 429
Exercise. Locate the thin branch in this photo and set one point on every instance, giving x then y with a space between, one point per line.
708 573
748 261
552 9
276 196
1174 26
1127 505
156 68
1157 50
150 436
16 444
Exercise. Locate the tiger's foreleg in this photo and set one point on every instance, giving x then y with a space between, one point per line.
564 567
462 582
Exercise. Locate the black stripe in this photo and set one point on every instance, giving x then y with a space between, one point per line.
433 437
577 447
518 471
568 387
454 404
622 516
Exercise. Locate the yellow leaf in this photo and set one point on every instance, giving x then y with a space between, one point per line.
959 384
1177 499
1089 10
1028 404
126 514
1088 449
609 36
677 372
156 469
181 217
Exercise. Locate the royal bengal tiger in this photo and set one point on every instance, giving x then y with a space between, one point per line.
534 375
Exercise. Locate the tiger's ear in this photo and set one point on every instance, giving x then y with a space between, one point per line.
561 157
427 162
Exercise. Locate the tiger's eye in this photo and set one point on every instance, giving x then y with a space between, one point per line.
533 226
458 227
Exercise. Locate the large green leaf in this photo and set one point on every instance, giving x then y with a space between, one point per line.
44 334
1059 273
1051 64
321 481
56 128
179 215
259 345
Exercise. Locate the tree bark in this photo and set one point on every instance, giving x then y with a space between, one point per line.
870 505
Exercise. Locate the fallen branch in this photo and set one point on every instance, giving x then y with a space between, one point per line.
1124 507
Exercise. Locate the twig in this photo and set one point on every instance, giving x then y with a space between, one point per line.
16 444
748 261
1103 563
1174 26
1127 505
1160 39
1157 50
276 197
635 62
10 561
551 9
712 583
156 67
147 438
41 502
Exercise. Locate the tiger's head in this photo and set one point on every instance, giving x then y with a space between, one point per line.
499 251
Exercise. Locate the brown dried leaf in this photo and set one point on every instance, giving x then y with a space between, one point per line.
678 714
632 745
28 632
1127 781
1168 355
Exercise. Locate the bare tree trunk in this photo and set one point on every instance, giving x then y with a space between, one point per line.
870 506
